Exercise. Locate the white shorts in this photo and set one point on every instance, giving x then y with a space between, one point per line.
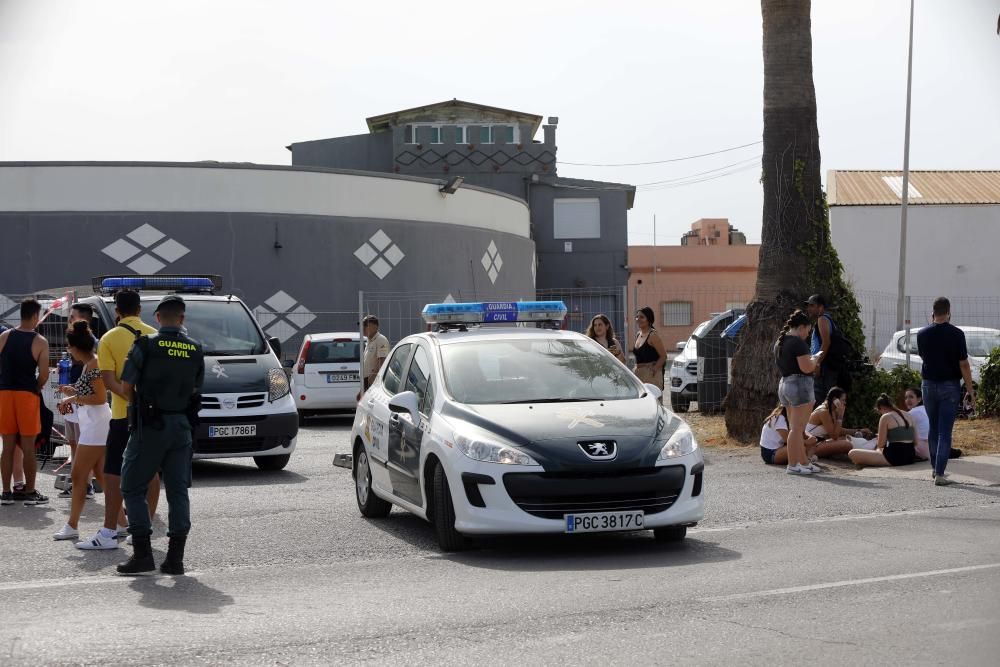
72 417
94 424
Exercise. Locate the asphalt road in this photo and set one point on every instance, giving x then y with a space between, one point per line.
837 568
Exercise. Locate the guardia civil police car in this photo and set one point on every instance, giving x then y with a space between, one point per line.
247 409
487 430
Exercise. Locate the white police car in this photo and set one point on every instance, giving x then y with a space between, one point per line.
484 431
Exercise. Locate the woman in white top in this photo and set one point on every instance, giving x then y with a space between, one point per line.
826 424
915 408
774 438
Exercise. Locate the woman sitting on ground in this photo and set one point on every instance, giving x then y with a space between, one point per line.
774 438
826 425
895 443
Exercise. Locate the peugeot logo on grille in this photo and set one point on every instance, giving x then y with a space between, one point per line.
603 450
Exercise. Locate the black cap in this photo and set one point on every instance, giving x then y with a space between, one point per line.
171 299
816 300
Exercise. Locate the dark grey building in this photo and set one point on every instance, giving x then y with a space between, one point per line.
579 226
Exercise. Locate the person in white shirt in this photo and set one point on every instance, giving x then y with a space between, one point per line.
774 438
376 351
915 408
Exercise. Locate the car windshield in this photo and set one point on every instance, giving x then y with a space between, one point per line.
981 343
534 370
333 351
224 328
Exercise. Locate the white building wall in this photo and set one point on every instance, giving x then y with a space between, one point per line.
952 251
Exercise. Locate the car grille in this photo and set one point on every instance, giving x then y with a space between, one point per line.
243 402
552 495
692 368
233 445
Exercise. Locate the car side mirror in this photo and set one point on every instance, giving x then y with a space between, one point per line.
275 345
654 390
406 403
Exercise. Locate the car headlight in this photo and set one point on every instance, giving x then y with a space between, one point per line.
492 452
277 384
677 364
681 443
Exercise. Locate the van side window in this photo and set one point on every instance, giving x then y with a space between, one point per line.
418 380
393 375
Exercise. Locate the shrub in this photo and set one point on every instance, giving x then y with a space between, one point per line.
988 397
867 384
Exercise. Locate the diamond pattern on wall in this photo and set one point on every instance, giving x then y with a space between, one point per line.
379 254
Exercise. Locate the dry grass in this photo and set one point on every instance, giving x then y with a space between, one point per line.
977 436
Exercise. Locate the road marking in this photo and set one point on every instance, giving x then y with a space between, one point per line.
843 584
109 578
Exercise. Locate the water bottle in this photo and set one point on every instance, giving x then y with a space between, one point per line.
65 366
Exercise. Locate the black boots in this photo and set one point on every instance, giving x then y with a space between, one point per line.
142 558
174 564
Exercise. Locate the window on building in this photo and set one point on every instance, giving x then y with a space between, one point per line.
507 132
576 219
489 133
459 134
408 135
486 134
676 313
435 134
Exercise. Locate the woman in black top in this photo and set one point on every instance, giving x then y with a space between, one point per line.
650 355
795 391
600 329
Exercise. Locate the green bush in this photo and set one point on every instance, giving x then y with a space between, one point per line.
867 384
988 398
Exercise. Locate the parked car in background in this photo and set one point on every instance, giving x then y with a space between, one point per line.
980 341
327 374
684 375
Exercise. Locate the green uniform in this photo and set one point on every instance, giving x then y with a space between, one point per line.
167 370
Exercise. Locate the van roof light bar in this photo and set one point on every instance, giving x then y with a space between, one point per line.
184 284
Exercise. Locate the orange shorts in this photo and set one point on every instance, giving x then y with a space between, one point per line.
20 413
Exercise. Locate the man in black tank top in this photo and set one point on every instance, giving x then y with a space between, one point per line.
24 371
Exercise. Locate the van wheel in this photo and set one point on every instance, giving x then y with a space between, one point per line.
449 539
670 533
272 462
679 404
370 505
302 418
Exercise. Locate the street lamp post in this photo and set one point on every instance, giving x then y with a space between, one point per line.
905 195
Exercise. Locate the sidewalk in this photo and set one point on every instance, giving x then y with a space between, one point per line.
973 470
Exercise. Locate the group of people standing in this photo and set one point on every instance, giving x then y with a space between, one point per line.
807 425
648 349
144 433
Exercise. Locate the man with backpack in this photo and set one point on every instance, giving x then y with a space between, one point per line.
111 354
828 338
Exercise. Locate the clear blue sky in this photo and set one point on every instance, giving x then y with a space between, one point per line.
630 82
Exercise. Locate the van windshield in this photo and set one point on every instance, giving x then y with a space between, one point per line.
224 328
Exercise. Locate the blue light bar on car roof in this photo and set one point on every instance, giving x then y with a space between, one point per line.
158 283
494 311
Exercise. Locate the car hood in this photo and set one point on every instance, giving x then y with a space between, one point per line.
227 375
552 432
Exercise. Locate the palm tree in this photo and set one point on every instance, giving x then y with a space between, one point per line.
796 256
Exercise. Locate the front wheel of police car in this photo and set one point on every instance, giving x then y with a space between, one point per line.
449 539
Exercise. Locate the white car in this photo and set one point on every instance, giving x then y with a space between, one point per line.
327 373
684 375
487 431
979 341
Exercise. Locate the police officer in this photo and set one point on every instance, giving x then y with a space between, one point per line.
162 377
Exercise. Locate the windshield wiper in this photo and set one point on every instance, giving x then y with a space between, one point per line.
551 400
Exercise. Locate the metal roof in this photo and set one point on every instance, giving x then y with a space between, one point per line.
884 188
382 121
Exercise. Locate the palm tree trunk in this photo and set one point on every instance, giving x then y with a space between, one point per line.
795 230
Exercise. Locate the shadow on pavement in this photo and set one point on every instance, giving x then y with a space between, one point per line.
407 527
36 517
180 594
209 473
590 552
331 420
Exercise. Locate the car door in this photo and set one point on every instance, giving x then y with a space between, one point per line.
376 401
406 437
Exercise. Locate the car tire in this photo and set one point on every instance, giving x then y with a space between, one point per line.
670 533
370 505
302 418
679 404
449 539
272 462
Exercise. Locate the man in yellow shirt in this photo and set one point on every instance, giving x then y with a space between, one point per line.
111 354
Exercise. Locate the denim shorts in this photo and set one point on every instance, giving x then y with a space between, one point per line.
796 390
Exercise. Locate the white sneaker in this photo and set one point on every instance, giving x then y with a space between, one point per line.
796 469
128 540
67 533
813 467
122 531
98 542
